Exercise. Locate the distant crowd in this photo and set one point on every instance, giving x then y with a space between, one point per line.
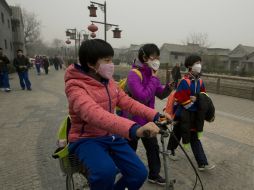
22 64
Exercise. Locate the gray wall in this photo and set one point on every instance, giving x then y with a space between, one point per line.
6 40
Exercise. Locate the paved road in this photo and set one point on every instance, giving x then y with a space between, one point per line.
29 122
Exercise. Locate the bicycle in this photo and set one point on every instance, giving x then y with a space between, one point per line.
166 128
76 174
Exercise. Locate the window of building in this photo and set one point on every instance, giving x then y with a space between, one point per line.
10 45
176 56
2 15
5 44
8 23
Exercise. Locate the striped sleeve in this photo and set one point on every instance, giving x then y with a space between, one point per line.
202 88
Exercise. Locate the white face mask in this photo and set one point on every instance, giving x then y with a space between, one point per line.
196 68
154 64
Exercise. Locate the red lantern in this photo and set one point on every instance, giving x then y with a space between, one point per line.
68 41
92 10
93 35
117 33
92 27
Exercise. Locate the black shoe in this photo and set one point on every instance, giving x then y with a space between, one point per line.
157 180
23 88
29 89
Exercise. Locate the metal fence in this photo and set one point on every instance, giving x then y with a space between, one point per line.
241 87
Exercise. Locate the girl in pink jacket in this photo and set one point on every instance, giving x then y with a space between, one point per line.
97 135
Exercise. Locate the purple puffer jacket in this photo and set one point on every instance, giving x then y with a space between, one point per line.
146 89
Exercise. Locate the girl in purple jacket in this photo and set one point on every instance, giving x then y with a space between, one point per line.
144 90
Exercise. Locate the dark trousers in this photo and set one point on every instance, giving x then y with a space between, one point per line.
24 80
56 66
196 145
4 79
152 153
197 149
38 68
46 70
103 156
173 140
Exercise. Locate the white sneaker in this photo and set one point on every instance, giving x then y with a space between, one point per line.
206 167
7 89
172 155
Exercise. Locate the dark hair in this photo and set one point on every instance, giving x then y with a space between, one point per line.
191 59
19 50
92 50
147 50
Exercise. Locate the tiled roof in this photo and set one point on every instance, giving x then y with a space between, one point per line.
217 51
190 48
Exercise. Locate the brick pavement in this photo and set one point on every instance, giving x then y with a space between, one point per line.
29 121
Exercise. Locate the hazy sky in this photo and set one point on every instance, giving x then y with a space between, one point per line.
227 22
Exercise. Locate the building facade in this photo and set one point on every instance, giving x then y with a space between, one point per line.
11 29
6 37
241 59
17 29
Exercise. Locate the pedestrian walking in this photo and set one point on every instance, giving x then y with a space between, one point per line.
45 64
176 74
21 63
38 63
189 125
4 77
56 62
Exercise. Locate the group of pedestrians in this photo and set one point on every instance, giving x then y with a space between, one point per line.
41 62
96 132
22 65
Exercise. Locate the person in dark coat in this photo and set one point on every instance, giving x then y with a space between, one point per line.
176 74
4 78
46 64
56 63
190 113
21 63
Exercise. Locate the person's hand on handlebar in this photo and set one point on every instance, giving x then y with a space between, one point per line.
148 129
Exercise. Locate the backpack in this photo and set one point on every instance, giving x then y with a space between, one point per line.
123 85
62 138
169 109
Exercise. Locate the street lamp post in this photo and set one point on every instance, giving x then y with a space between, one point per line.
75 35
93 9
72 33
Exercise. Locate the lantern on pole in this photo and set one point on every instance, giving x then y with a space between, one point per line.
93 35
92 27
68 41
92 10
68 33
117 33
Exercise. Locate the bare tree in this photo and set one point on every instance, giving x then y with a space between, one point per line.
32 28
198 38
57 43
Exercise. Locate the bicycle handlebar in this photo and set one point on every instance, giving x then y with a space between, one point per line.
163 126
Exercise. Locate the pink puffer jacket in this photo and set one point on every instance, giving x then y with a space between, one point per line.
92 106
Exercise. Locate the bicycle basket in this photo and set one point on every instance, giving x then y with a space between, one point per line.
70 164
